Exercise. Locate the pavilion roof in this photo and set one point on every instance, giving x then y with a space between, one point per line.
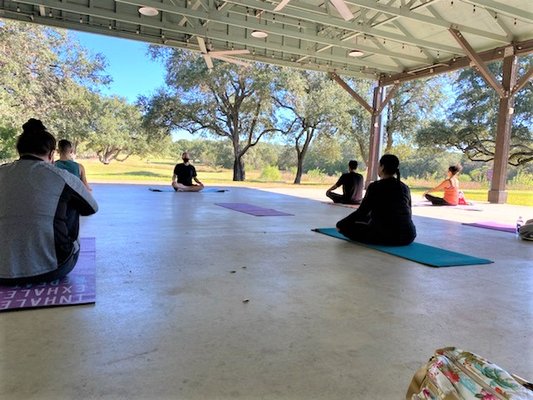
398 39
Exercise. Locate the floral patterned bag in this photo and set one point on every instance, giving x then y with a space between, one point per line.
454 374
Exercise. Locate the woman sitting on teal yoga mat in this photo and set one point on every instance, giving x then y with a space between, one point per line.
384 216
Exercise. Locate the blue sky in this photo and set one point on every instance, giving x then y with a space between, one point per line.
132 70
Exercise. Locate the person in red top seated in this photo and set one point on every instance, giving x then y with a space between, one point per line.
450 186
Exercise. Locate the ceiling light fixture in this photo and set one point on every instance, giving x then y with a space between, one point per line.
355 53
148 11
259 34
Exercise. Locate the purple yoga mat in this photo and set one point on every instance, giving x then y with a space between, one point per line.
252 210
494 226
78 287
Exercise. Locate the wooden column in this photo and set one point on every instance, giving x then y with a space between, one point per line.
378 104
497 192
375 126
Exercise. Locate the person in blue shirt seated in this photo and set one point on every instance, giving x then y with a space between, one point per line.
66 162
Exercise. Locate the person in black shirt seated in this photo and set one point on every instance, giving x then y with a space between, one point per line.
352 187
384 216
184 173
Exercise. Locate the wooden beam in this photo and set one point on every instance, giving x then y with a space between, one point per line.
389 97
375 127
522 82
520 48
476 59
352 92
497 193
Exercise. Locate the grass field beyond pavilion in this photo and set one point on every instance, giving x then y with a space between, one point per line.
135 170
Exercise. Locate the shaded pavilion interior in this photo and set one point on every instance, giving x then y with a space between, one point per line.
394 41
326 319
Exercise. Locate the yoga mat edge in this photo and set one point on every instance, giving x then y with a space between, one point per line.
417 252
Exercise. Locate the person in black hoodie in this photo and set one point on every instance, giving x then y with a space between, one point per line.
384 216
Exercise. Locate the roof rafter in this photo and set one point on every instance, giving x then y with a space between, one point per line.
400 39
319 17
221 17
405 12
503 9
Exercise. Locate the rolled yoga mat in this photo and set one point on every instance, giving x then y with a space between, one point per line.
496 226
421 253
206 190
253 210
78 287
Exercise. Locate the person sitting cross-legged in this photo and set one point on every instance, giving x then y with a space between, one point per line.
352 186
450 186
184 174
40 208
384 216
66 161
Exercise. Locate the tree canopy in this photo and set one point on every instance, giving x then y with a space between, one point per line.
311 105
472 120
228 101
46 74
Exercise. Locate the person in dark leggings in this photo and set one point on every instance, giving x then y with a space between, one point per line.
384 216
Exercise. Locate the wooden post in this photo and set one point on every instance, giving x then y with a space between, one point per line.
375 137
378 105
497 193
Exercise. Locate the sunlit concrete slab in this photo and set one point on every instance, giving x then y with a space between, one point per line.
325 319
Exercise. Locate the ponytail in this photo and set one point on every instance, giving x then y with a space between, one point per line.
398 174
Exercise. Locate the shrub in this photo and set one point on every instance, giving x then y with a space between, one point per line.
270 173
522 179
465 178
316 175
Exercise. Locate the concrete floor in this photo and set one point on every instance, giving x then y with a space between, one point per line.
326 319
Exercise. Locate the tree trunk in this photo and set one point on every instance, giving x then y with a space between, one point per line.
299 169
239 174
309 133
362 149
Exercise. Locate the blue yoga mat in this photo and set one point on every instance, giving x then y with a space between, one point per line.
421 253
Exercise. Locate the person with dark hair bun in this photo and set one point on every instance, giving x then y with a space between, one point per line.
66 161
450 186
35 139
352 186
384 216
40 207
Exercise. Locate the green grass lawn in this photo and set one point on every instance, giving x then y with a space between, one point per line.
160 171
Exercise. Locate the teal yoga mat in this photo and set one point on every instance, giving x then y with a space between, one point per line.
421 253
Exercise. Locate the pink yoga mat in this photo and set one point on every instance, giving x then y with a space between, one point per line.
252 210
78 287
496 226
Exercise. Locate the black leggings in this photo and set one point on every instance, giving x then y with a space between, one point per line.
437 201
339 198
365 232
59 273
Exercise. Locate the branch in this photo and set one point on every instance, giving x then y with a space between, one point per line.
285 106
